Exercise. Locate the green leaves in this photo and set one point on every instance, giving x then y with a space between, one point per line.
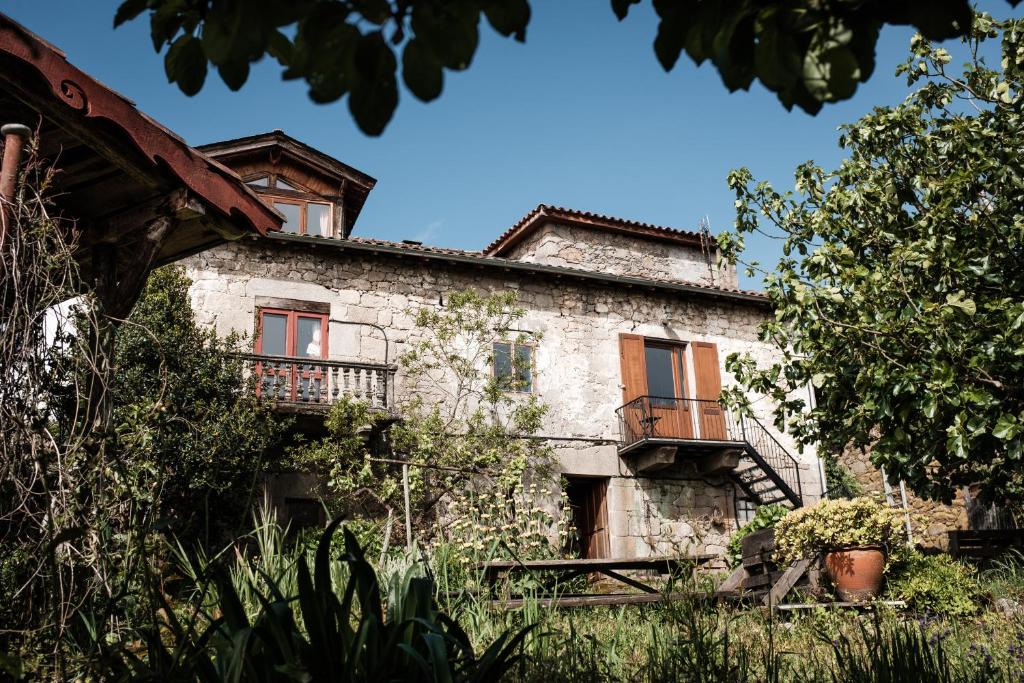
186 64
374 94
905 315
806 52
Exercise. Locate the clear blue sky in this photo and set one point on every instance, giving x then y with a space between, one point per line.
581 115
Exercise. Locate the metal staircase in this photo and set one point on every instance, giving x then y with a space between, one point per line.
767 473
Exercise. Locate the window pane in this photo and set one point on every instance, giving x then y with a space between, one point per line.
308 337
257 182
524 368
275 331
292 218
503 361
318 219
283 184
660 378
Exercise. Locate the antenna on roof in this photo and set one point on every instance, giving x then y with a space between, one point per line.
708 246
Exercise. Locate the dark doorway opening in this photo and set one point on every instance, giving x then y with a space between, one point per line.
588 500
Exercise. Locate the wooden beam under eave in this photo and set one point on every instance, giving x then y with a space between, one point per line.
77 126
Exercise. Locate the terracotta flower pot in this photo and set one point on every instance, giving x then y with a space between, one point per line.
856 572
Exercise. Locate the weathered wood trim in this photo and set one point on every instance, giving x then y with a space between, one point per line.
298 305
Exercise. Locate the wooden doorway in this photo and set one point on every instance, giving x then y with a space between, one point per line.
665 368
588 500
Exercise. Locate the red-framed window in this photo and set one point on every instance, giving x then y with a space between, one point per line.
298 339
295 334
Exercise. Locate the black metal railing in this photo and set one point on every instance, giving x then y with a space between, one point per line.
320 381
690 419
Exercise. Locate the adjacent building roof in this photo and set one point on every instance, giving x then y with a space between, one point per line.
353 185
545 213
113 157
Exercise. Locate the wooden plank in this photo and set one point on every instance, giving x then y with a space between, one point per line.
600 600
629 582
831 605
786 583
763 580
734 580
664 564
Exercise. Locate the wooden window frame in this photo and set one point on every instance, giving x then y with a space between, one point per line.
291 329
679 357
532 345
303 205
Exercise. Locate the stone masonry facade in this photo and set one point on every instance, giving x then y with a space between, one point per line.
931 521
577 358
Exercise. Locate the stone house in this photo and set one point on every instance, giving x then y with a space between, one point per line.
634 320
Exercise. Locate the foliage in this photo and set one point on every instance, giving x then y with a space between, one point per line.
937 584
841 482
1004 578
199 435
899 295
462 428
901 652
348 632
766 517
807 52
836 524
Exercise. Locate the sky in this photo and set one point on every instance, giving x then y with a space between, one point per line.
582 115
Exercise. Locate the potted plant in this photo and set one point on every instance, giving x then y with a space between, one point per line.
855 535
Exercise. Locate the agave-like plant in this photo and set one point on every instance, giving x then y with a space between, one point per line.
349 634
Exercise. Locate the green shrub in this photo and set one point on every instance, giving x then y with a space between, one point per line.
835 524
766 518
933 583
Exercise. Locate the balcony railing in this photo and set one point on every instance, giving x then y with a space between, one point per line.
321 382
688 419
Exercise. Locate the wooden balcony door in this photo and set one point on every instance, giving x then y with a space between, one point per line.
295 335
657 369
670 412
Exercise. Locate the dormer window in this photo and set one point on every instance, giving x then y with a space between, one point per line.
305 218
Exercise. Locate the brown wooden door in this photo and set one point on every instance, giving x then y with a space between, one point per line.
665 369
588 499
711 417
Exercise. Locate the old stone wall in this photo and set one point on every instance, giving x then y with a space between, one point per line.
577 358
616 254
931 521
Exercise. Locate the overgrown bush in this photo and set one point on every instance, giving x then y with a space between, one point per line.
322 630
766 517
932 583
836 524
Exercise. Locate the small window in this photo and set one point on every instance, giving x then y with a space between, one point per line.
745 511
260 181
305 218
513 366
281 184
318 219
292 216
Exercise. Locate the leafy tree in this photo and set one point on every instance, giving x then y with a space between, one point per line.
468 427
808 52
900 295
196 430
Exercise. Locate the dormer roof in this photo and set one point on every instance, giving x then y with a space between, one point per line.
279 152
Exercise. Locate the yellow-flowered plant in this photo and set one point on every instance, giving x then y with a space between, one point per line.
838 524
